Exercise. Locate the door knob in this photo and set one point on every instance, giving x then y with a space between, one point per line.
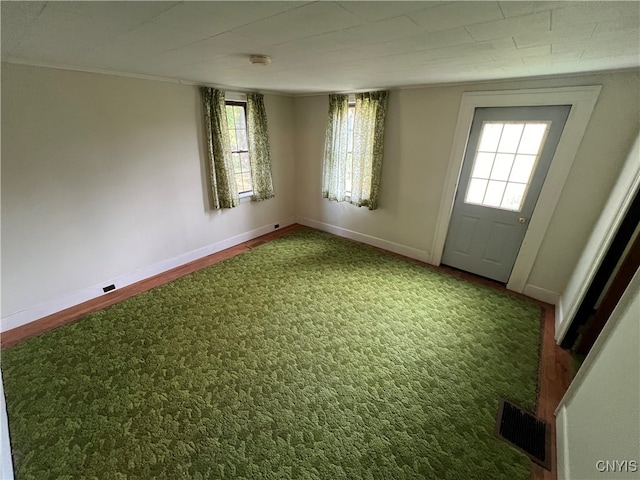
522 219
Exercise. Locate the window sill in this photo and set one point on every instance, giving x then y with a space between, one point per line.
246 197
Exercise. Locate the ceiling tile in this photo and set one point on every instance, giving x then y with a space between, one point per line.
517 8
416 43
58 36
148 39
211 18
222 45
514 53
457 14
620 25
593 12
359 36
448 54
374 11
16 18
536 39
120 13
529 24
313 19
612 44
325 46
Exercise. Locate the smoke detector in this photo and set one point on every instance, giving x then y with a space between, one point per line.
260 59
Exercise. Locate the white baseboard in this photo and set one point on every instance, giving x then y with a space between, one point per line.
368 239
47 308
541 294
561 328
562 445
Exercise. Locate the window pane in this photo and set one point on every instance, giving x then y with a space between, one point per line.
482 165
241 135
513 196
244 162
532 138
510 137
235 157
502 166
239 185
475 192
493 197
522 168
490 136
230 122
246 180
233 143
239 117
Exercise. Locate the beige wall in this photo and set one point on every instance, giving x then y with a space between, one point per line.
105 175
419 134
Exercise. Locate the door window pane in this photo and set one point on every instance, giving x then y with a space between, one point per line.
502 166
513 196
490 136
495 190
475 192
522 168
504 163
532 138
510 138
482 165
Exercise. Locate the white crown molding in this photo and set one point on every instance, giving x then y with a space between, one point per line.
139 76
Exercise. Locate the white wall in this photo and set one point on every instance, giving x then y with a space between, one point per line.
599 417
419 134
103 176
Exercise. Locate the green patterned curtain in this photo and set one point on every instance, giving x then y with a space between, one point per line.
223 186
259 154
335 149
368 148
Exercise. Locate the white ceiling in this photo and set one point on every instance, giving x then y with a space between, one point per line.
325 46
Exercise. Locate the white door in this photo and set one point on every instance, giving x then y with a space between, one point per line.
508 154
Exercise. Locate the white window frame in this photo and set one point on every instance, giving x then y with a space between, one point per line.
240 98
352 104
582 100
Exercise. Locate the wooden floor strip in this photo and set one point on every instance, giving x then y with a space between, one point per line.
555 363
32 329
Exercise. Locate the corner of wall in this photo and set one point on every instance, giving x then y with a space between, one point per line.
541 294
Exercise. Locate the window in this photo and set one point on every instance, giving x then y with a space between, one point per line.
348 181
353 150
237 124
504 163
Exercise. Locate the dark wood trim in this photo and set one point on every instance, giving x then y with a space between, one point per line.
627 270
605 270
555 363
32 329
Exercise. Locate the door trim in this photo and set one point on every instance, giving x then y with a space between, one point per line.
582 100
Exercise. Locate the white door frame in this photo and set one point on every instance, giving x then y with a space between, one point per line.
582 100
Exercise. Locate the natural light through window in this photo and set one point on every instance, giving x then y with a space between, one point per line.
504 163
236 121
348 181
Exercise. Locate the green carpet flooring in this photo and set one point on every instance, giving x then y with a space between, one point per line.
310 357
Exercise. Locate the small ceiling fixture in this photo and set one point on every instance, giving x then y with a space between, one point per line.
260 59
